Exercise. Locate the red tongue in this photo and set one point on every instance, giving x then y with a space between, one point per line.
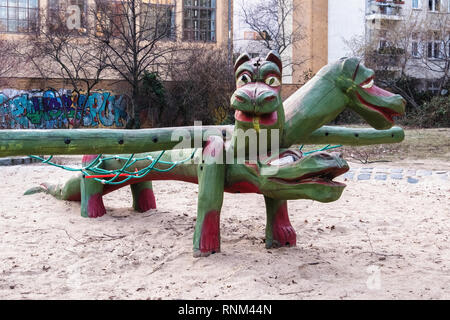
376 91
265 119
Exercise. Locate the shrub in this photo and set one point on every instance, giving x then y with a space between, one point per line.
432 114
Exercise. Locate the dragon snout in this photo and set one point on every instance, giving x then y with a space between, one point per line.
335 157
254 99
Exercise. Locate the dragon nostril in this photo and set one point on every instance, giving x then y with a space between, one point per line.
270 98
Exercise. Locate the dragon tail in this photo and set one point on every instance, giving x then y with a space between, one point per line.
68 191
54 190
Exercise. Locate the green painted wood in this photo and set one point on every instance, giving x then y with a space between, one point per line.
116 141
344 84
211 186
353 136
96 141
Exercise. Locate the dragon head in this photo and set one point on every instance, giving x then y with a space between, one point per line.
289 175
375 105
257 99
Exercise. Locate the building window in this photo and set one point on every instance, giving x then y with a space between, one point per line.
20 16
415 51
416 4
158 19
382 45
447 48
199 20
434 46
434 5
433 87
62 14
434 50
110 18
253 35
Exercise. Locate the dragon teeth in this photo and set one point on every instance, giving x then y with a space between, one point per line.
283 161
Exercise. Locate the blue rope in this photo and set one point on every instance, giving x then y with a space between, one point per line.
327 147
94 169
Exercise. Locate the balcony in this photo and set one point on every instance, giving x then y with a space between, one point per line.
385 10
387 58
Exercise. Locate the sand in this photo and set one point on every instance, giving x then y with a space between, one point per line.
381 240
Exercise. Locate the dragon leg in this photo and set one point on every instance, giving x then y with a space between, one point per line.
279 231
91 194
143 196
211 180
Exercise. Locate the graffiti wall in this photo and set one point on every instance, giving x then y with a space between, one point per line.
56 109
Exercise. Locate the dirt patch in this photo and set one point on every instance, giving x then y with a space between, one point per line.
381 240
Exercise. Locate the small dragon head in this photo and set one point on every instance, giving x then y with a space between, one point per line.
257 99
375 105
288 175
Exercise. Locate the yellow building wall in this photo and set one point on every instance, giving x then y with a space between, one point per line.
313 48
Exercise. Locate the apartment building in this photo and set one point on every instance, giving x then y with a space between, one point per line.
190 21
410 36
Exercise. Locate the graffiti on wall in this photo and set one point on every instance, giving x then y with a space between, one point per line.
55 109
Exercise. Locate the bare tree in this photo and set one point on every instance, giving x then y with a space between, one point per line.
6 48
277 26
199 92
403 53
67 52
137 36
433 49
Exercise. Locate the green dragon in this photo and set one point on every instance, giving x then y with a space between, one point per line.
278 172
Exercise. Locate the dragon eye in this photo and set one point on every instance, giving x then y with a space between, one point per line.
243 80
273 81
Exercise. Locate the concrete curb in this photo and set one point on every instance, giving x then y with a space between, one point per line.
15 161
412 176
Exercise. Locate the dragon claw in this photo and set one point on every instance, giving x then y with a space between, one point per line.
146 200
284 236
96 208
210 236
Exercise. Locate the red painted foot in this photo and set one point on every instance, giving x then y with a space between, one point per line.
210 238
146 200
283 233
95 207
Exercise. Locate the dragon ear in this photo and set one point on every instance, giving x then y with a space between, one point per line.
274 57
243 58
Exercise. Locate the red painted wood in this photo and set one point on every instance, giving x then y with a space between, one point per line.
75 197
88 158
147 200
95 207
283 232
243 187
210 237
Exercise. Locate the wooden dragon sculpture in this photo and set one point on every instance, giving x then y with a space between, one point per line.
224 161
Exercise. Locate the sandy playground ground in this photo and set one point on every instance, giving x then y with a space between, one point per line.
381 240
